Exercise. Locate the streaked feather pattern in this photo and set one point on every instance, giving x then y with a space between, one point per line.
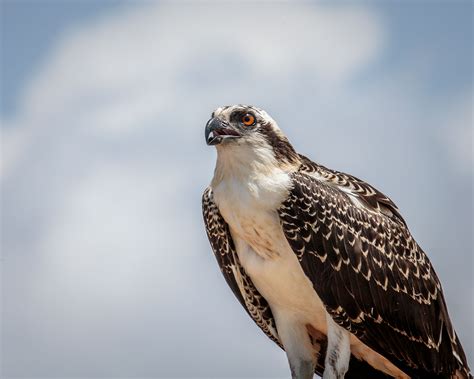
369 195
370 273
240 283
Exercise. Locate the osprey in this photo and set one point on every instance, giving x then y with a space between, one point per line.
323 262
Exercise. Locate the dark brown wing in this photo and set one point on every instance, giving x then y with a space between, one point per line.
372 276
372 197
240 283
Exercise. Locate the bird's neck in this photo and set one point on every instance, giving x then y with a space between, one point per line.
244 164
249 178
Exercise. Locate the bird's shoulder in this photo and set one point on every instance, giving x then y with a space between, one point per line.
370 197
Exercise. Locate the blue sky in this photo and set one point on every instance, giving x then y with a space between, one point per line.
106 267
24 48
446 26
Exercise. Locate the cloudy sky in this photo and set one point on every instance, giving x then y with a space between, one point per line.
106 269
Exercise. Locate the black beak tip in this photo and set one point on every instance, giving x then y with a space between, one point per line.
213 141
211 137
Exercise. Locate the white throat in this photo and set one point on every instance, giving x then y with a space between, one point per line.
247 175
243 161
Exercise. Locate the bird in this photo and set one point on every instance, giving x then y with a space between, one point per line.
322 261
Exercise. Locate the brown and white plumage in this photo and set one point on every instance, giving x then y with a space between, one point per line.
236 277
322 262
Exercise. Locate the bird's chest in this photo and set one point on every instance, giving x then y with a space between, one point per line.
251 213
263 251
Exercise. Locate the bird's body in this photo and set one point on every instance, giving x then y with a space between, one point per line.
247 201
277 223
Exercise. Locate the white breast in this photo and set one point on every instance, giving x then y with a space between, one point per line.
250 209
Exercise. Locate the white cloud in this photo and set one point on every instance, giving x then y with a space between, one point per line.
124 70
456 135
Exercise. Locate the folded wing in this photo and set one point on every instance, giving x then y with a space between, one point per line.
372 276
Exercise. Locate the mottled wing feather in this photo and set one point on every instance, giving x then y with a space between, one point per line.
234 274
372 197
371 275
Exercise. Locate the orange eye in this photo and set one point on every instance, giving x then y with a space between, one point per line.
248 119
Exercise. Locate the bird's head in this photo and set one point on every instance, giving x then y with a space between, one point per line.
241 128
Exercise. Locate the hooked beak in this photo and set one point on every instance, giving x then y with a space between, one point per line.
217 131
